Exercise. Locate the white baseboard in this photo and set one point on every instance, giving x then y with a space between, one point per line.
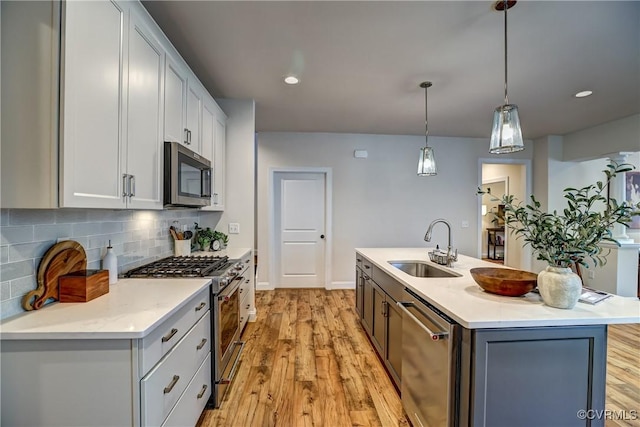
342 285
266 286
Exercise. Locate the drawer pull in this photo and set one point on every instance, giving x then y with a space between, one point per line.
202 343
204 389
248 306
201 306
169 335
172 384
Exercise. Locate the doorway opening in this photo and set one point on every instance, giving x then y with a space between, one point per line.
495 242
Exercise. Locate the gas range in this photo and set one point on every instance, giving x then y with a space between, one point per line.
221 269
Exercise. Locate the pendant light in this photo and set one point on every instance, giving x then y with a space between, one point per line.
427 161
506 135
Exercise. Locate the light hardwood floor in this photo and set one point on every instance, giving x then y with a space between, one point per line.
307 362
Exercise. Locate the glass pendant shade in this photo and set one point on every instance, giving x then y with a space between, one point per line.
506 135
427 162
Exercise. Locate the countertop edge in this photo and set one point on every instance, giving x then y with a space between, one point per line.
98 335
594 319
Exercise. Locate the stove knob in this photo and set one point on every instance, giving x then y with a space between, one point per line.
223 281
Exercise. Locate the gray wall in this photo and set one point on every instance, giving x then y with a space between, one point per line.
380 201
137 237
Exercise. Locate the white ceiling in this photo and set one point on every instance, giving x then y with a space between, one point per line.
360 63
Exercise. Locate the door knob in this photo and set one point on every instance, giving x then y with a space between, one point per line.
322 236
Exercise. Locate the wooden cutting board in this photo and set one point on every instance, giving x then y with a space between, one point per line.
62 258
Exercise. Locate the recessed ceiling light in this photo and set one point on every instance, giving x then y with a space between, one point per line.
291 80
583 93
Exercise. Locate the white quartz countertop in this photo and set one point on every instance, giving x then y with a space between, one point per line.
465 302
131 309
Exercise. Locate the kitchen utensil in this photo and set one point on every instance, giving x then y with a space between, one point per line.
172 230
188 235
62 258
504 281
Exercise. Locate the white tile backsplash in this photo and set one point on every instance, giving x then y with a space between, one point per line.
137 237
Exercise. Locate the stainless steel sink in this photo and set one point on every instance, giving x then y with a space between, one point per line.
422 269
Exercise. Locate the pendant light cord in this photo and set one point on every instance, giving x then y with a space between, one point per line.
506 6
426 85
426 119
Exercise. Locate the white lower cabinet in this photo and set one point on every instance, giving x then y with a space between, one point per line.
192 402
161 379
163 385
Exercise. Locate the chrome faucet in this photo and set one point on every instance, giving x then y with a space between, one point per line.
427 237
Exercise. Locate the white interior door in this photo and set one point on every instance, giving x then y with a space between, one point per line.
300 229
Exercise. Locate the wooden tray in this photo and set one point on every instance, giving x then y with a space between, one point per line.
62 258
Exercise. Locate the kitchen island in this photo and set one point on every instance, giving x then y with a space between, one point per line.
511 360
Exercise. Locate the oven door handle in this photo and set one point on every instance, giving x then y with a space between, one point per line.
227 291
235 364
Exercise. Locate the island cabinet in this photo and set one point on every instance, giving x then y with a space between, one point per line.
381 318
160 379
545 376
507 361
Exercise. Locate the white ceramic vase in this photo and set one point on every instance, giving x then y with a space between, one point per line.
559 287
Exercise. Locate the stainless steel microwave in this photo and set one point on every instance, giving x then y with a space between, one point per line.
187 177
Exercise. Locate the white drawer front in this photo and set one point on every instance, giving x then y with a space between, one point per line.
191 404
162 387
164 337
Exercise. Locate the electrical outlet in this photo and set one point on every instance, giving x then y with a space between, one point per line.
465 224
592 275
234 228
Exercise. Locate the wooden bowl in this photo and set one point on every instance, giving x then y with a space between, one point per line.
504 281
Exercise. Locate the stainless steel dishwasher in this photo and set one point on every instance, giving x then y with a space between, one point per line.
430 364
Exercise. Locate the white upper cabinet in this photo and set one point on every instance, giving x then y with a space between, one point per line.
144 116
112 108
93 70
195 95
219 162
110 90
213 148
183 105
175 101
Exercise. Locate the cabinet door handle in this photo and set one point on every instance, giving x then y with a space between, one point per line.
186 136
172 384
248 306
204 389
367 267
358 259
202 343
201 306
125 185
189 137
169 335
132 185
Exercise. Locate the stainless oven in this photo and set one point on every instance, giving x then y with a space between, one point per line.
227 346
187 177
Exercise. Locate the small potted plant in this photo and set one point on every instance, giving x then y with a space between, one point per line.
221 238
204 237
573 236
